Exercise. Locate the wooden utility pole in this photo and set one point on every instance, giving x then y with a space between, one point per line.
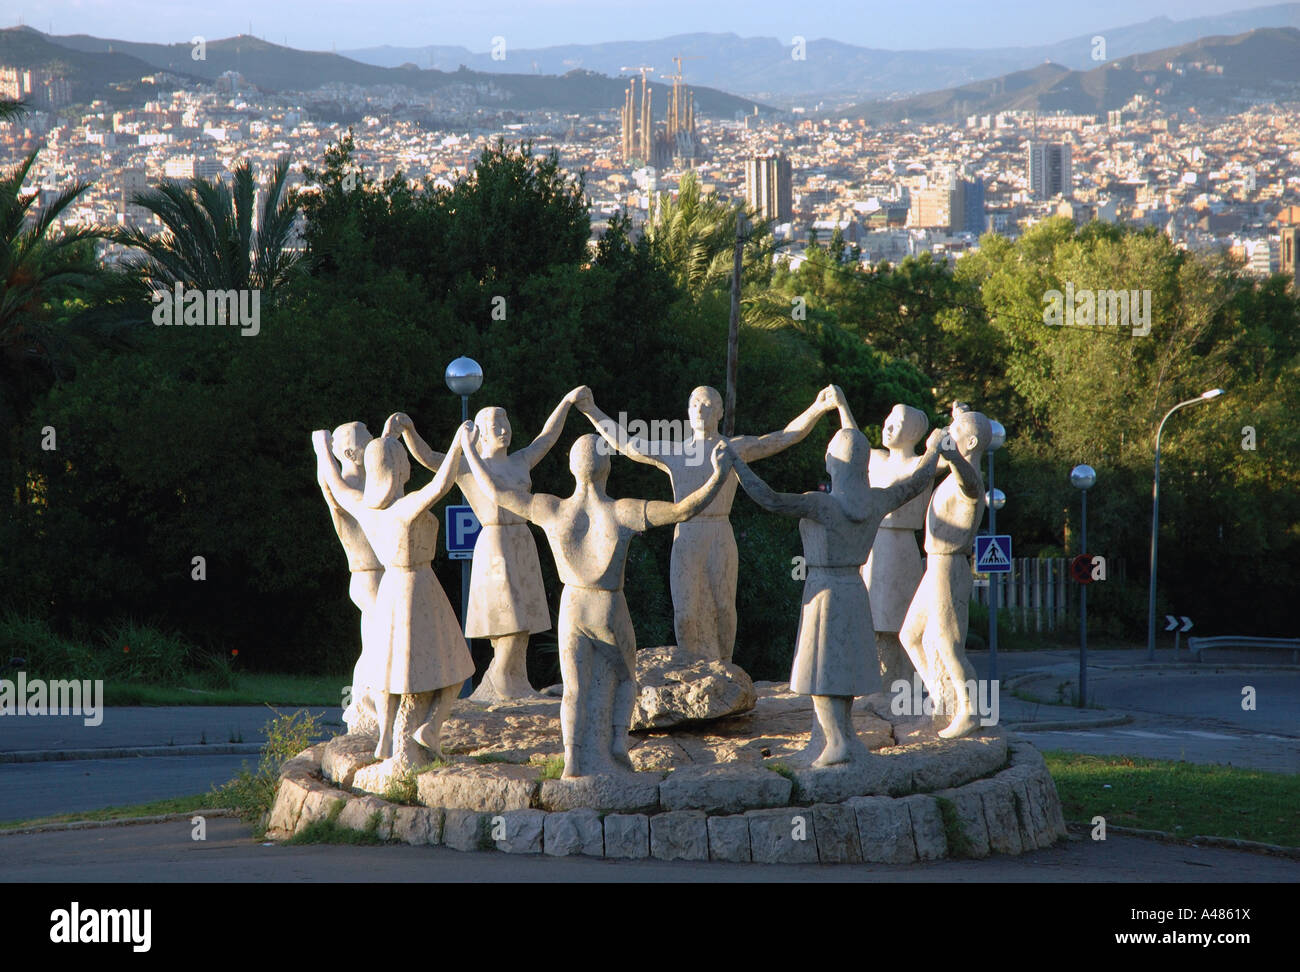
733 332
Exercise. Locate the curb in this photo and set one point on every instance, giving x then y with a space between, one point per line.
1118 720
1228 843
121 752
123 822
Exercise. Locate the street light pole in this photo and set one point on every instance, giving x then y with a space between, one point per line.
996 500
464 377
1082 478
1155 518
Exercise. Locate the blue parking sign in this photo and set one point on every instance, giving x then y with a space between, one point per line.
463 529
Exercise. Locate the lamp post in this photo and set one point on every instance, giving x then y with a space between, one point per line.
1082 478
1213 393
464 377
996 500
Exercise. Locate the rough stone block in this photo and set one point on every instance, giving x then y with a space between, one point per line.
999 815
680 835
574 832
522 830
318 805
342 756
783 836
836 826
487 788
623 793
970 813
873 774
627 835
417 825
953 762
884 830
466 830
289 799
927 827
361 810
726 788
729 839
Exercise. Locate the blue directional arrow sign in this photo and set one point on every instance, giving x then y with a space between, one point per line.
463 529
993 554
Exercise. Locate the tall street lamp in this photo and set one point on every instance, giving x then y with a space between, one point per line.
1155 518
464 377
1082 478
996 500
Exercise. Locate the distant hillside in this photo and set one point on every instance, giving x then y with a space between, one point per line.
1262 62
276 68
761 67
92 75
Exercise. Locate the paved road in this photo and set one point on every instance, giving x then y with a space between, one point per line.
29 790
168 725
166 852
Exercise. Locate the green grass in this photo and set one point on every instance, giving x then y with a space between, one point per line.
1185 799
552 768
186 804
959 842
249 689
328 831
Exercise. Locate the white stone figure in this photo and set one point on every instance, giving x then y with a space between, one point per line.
589 534
702 568
507 601
412 645
934 631
835 657
894 568
349 443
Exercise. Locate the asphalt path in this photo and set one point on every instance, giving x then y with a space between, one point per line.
166 852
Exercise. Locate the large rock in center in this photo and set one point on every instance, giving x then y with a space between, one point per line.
673 689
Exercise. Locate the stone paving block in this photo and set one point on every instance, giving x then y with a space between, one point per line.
729 838
627 835
884 830
574 832
836 826
680 835
782 836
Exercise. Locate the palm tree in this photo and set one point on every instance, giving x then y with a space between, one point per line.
695 234
37 267
208 241
11 110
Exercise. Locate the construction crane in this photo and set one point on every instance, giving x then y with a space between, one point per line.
643 68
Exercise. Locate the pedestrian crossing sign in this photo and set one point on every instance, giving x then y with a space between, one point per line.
993 554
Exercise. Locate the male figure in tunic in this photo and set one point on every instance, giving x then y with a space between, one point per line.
934 631
702 568
350 441
589 534
894 569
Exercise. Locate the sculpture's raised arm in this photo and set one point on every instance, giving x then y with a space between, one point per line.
753 447
636 448
788 504
399 423
536 450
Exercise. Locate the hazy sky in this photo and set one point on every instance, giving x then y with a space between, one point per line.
322 24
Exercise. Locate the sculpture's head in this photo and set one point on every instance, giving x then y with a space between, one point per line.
493 429
588 461
387 470
350 441
904 427
704 409
847 455
972 433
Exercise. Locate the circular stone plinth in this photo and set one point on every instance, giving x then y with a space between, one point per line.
738 789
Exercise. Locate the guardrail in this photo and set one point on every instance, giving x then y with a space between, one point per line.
1196 645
